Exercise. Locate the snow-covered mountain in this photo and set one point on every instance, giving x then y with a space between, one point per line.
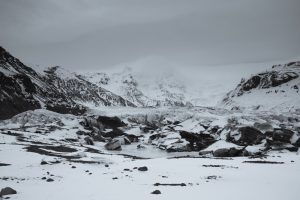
163 90
22 88
276 88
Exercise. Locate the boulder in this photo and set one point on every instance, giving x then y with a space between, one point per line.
89 141
263 126
7 191
99 138
113 133
143 169
247 136
156 192
280 135
201 141
110 122
230 152
113 145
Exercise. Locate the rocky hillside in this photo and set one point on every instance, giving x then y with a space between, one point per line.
22 88
277 88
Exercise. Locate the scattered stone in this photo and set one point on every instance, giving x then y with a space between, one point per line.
262 162
110 122
50 180
113 145
170 184
229 152
280 135
143 169
73 167
44 178
4 164
44 163
89 141
115 178
156 192
7 191
106 165
247 136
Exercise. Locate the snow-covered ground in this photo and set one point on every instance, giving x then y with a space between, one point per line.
233 179
82 171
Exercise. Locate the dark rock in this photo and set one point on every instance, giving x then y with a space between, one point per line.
99 138
106 165
263 126
143 169
89 141
49 180
73 167
44 163
111 122
228 152
248 136
292 149
113 145
156 192
170 184
114 133
201 141
44 178
80 132
280 135
7 191
297 143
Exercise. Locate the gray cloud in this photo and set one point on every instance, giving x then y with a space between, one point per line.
99 34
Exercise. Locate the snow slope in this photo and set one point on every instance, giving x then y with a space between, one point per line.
274 89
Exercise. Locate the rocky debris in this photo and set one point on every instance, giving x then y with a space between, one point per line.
263 126
7 191
179 146
44 163
297 143
246 136
197 141
156 192
89 141
110 122
143 169
280 135
99 138
262 162
3 164
230 152
50 180
113 133
170 184
113 145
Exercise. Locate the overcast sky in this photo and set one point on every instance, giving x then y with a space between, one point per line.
98 34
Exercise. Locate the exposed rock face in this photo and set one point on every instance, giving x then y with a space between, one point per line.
275 88
247 136
22 89
16 90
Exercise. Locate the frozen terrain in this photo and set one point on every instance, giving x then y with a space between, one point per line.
44 155
125 134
